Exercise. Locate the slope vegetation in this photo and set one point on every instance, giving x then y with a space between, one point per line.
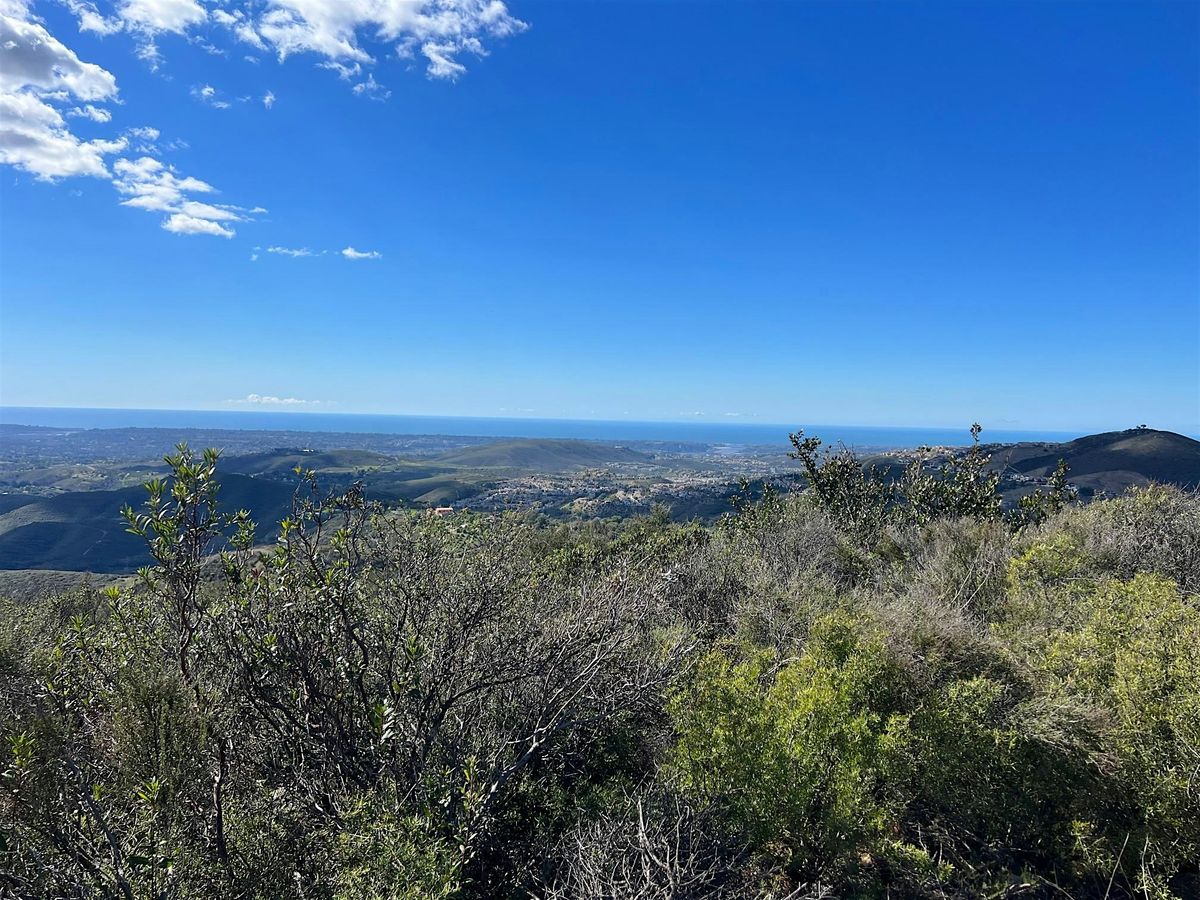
1113 460
543 455
284 461
82 531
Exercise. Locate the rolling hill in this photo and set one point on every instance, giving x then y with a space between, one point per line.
82 531
79 531
1112 461
284 461
543 455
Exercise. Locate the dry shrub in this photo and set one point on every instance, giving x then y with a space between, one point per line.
1155 529
655 846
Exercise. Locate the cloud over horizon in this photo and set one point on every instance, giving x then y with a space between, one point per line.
270 400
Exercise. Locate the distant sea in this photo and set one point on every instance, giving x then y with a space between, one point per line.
737 433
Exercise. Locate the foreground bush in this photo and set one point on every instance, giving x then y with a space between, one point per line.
924 698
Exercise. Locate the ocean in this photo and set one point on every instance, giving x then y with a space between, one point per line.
737 433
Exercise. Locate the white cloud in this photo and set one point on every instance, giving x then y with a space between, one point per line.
149 184
181 223
351 253
34 137
295 253
146 19
334 29
151 16
152 185
268 400
210 96
242 27
345 71
339 31
200 210
90 18
372 89
36 71
40 77
33 59
96 114
441 56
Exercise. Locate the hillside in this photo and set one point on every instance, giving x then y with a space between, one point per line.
66 517
385 478
1112 461
83 531
29 584
543 455
284 461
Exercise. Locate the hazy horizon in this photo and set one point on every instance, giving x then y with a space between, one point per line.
694 428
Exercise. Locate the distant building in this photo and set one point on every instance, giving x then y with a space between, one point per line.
443 511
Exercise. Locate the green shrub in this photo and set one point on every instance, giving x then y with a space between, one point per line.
796 751
379 856
1134 651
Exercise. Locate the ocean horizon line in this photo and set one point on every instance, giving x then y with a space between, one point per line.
699 430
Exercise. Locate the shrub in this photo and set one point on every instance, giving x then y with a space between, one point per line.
872 689
1134 651
795 751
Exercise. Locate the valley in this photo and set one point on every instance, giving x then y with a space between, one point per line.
61 490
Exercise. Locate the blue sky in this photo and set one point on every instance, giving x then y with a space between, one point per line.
886 214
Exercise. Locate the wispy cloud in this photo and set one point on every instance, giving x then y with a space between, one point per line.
209 96
268 99
96 114
294 252
305 252
270 400
371 89
150 184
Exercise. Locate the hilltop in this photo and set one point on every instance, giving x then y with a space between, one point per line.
1111 461
1105 463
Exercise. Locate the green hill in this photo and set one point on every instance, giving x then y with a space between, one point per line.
543 455
284 461
83 531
